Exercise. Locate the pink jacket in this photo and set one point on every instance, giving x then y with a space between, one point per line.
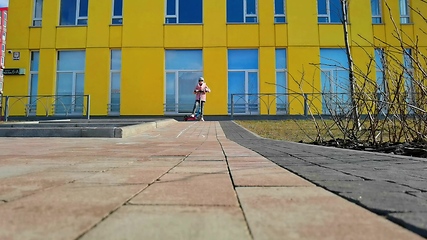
201 91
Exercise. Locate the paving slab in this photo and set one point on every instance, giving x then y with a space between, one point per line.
172 222
213 166
267 178
388 185
188 180
130 175
61 213
190 189
17 187
312 213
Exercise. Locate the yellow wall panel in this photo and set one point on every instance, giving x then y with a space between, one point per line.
389 17
97 79
116 36
49 23
421 24
34 39
408 34
214 27
303 76
360 18
98 27
142 81
178 36
266 23
215 74
332 35
17 84
143 30
47 72
19 19
281 35
267 77
379 34
71 37
47 80
302 27
242 35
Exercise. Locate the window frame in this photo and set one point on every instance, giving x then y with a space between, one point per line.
74 108
37 19
279 15
406 17
380 15
112 72
116 17
31 106
175 17
195 65
77 17
328 15
285 103
246 15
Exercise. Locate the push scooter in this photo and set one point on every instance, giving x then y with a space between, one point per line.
196 117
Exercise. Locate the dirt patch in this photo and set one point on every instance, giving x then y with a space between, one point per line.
414 149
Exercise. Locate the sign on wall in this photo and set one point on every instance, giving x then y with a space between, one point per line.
16 55
14 71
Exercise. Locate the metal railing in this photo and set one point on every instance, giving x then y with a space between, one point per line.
288 103
58 106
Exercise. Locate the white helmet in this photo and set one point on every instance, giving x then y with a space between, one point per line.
201 79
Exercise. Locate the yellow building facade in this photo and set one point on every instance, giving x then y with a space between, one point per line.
70 49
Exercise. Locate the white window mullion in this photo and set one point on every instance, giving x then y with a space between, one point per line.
245 9
77 12
177 10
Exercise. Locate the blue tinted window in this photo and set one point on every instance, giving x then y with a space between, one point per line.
243 59
280 58
68 12
170 7
279 7
184 60
281 82
236 85
83 8
190 11
118 8
378 58
116 59
71 60
321 7
251 6
330 57
375 7
34 61
336 11
235 11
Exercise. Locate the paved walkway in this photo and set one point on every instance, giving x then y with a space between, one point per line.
185 180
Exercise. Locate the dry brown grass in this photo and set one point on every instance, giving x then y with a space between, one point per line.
288 130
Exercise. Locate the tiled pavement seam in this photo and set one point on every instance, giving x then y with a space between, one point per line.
388 185
181 181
